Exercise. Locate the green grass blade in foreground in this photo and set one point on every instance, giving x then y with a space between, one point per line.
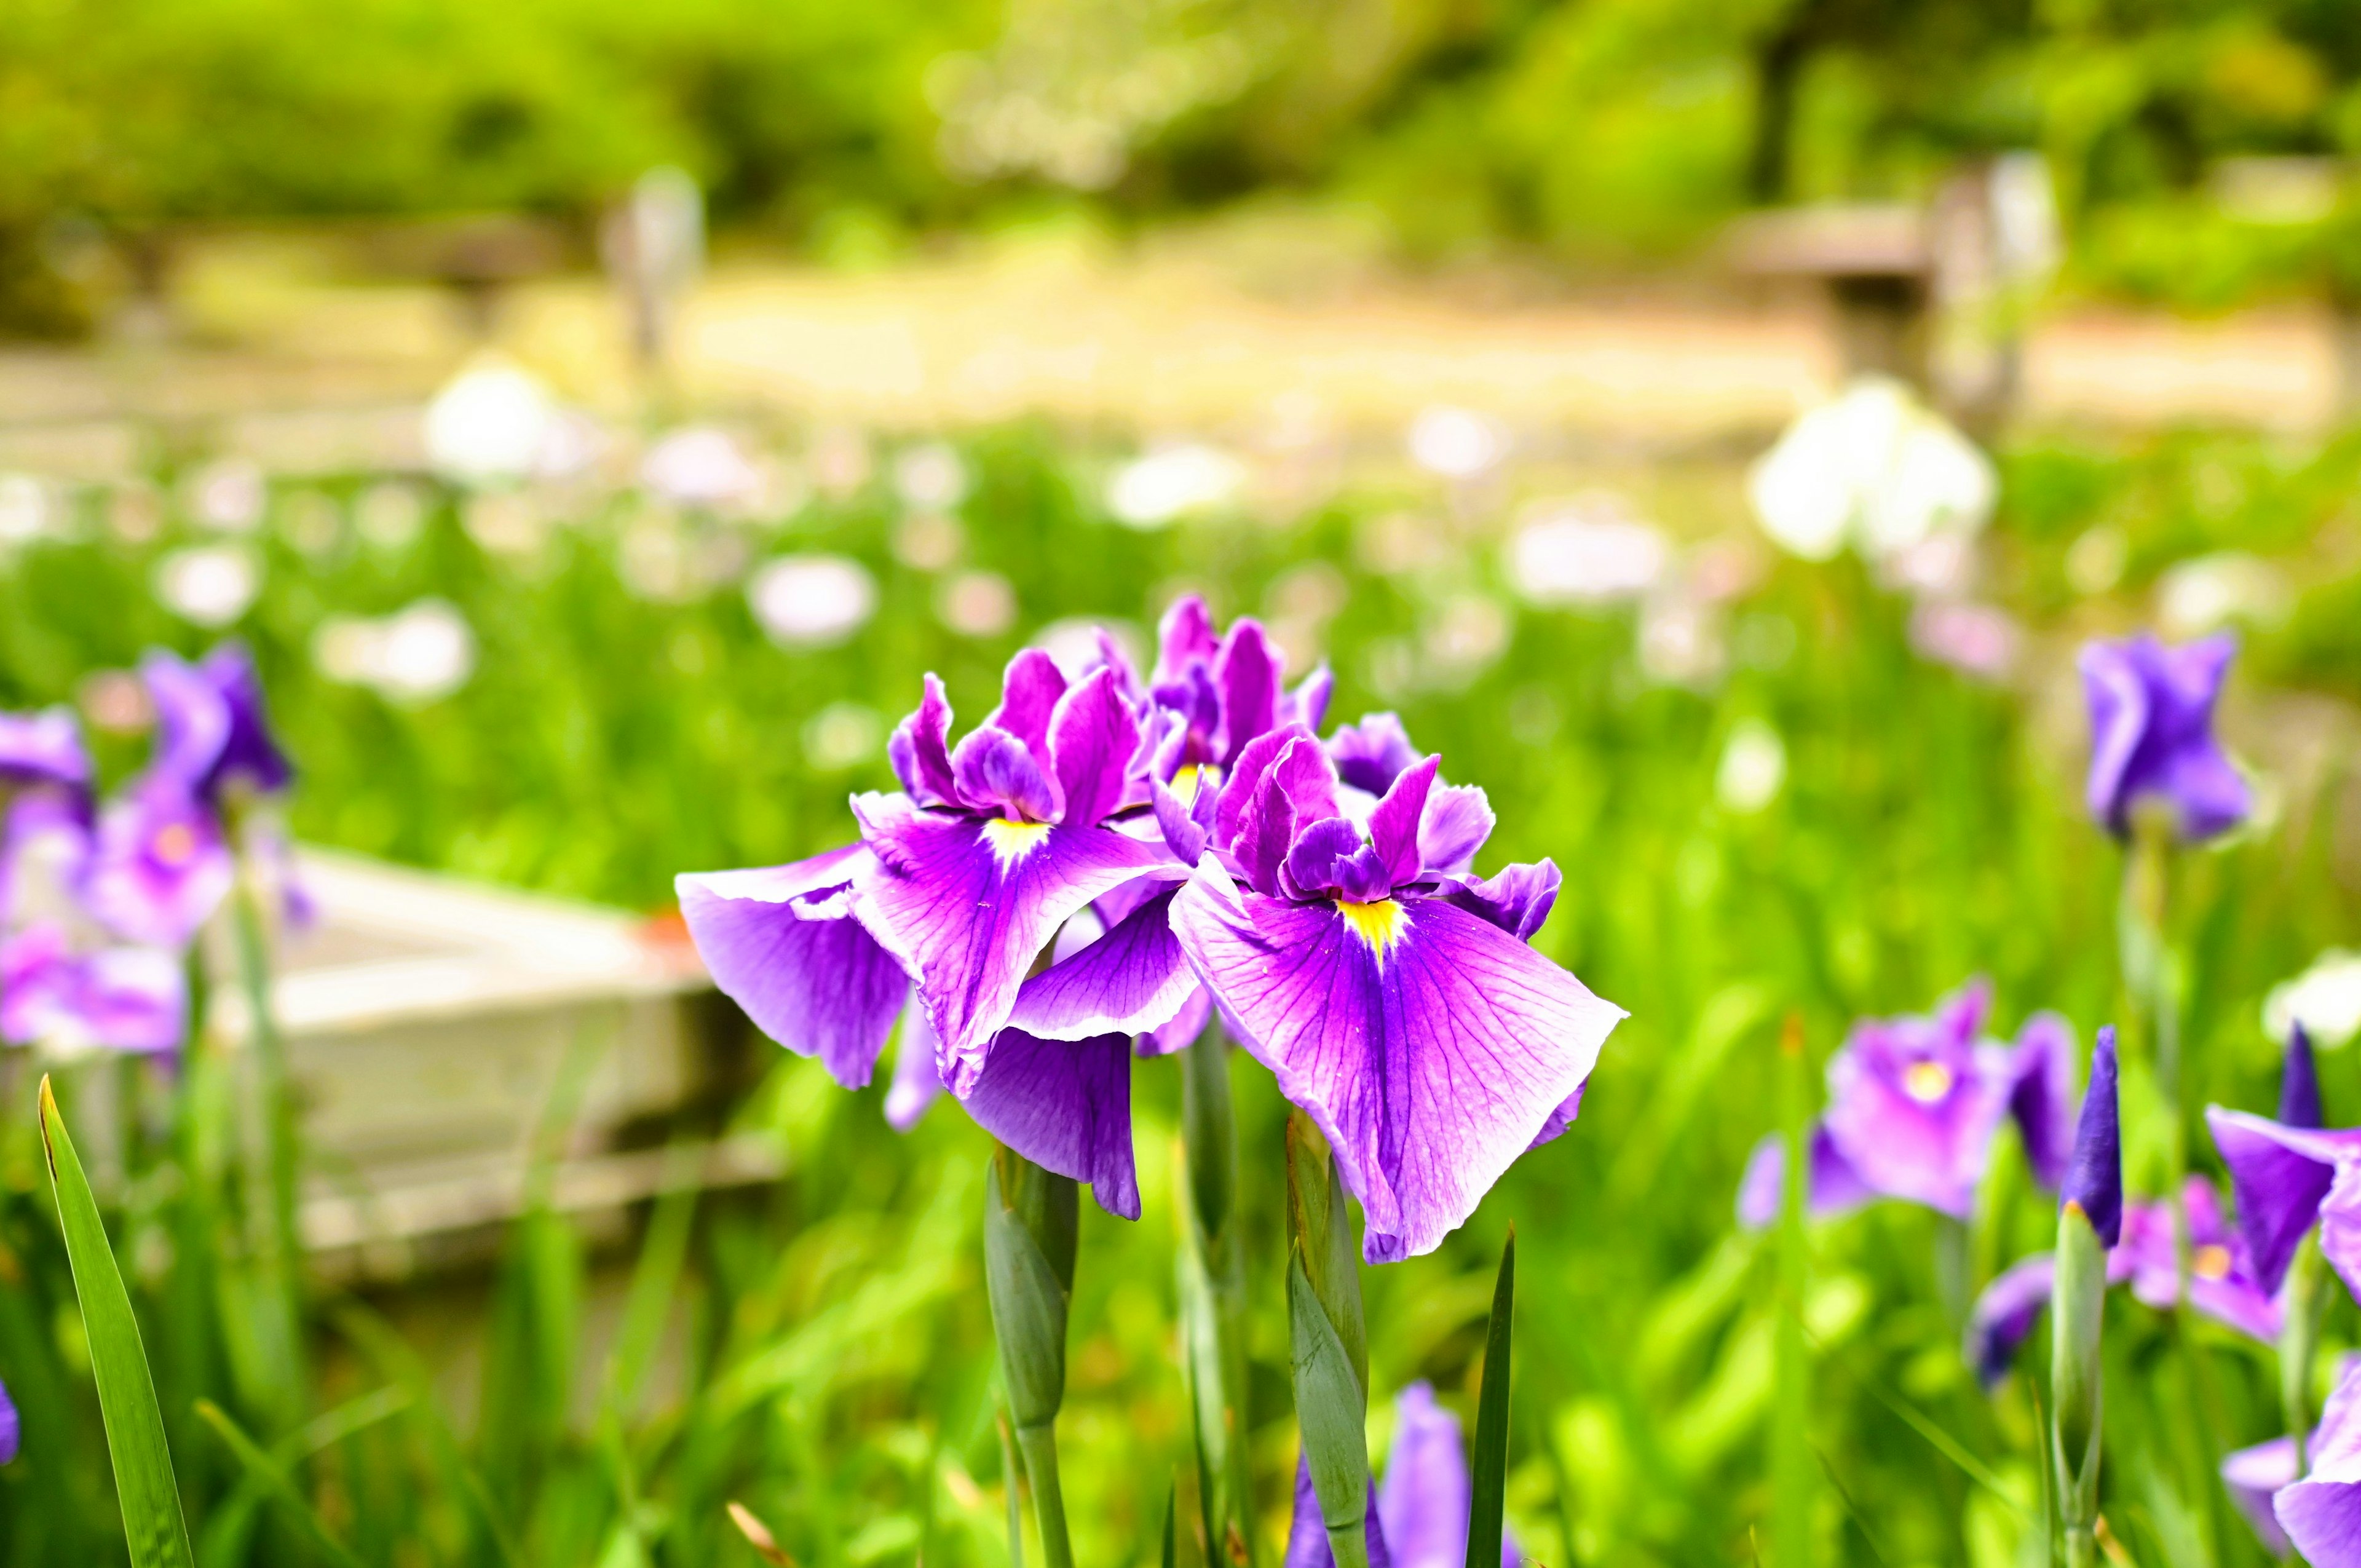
1171 1501
1489 1464
158 1535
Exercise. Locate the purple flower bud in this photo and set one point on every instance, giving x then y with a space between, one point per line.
2300 1083
2094 1176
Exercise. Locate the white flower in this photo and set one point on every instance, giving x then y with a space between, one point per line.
1457 443
417 654
1875 468
930 477
229 494
491 423
208 585
977 604
1587 554
1753 767
700 466
2209 592
2325 999
842 735
25 509
1173 481
811 601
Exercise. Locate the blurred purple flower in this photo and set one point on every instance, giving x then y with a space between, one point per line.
212 732
1419 1516
160 865
112 998
1398 1003
2253 1477
1307 1532
2322 1513
2286 1180
1914 1105
11 1428
43 749
2152 734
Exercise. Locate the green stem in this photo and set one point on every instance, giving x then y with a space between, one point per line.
1213 1299
1040 1447
2296 1342
1350 1546
283 1242
2082 1547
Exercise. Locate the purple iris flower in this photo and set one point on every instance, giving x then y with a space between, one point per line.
2321 1514
2152 734
213 732
43 749
160 865
1420 1520
112 998
1217 693
2286 1180
1914 1105
11 1428
1398 1003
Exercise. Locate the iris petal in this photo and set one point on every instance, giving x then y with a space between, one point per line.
1065 1106
1429 1072
1132 980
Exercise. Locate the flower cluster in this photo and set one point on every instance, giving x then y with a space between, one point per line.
98 903
1915 1104
1108 858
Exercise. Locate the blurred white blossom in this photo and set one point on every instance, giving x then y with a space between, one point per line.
842 735
228 495
700 466
208 585
1875 469
928 541
390 515
2325 999
311 521
489 424
25 508
838 460
930 477
811 601
506 522
2210 592
976 604
1172 481
1590 552
1457 443
1680 637
1753 767
2095 560
417 654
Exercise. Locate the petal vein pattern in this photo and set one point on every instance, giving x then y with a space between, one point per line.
1429 1074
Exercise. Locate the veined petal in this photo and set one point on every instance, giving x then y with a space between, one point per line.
1186 1024
2041 1093
1186 829
1131 980
1306 778
1308 704
1560 1119
1030 690
780 943
1428 1046
997 775
1373 754
920 749
1065 1106
1518 899
1395 825
971 903
1184 637
1458 820
2118 703
1094 739
1246 671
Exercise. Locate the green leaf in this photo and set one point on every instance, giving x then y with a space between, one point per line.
1488 1463
158 1535
273 1478
1171 1500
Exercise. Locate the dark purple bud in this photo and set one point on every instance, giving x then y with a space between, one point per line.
2094 1176
2300 1083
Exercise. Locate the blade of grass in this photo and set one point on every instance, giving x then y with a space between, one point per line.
1490 1461
274 1479
1171 1500
150 1499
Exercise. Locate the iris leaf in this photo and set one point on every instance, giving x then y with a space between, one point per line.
158 1535
1488 1463
274 1479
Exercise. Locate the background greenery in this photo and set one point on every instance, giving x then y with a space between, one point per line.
829 1357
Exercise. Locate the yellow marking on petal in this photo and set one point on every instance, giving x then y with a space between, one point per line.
1011 842
1926 1081
1380 924
2209 1263
1185 783
175 843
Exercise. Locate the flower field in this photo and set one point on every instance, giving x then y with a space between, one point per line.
1792 780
